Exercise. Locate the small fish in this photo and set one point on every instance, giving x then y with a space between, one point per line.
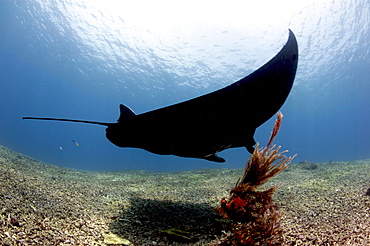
60 147
75 143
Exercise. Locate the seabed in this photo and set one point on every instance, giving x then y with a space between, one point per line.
42 204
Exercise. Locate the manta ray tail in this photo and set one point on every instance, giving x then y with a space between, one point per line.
125 112
70 120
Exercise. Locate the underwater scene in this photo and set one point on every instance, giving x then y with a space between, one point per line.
184 122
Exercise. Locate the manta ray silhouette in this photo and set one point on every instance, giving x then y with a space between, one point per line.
203 126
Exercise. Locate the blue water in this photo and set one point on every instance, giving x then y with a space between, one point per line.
81 59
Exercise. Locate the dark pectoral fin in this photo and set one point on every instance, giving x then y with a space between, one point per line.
250 149
250 143
214 157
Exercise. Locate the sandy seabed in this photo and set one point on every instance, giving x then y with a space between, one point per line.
42 204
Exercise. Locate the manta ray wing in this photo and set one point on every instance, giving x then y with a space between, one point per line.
203 126
227 118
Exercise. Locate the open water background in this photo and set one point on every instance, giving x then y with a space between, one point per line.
81 59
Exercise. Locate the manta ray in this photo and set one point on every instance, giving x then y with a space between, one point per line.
203 126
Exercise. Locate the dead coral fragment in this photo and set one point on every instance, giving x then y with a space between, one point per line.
254 214
177 234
